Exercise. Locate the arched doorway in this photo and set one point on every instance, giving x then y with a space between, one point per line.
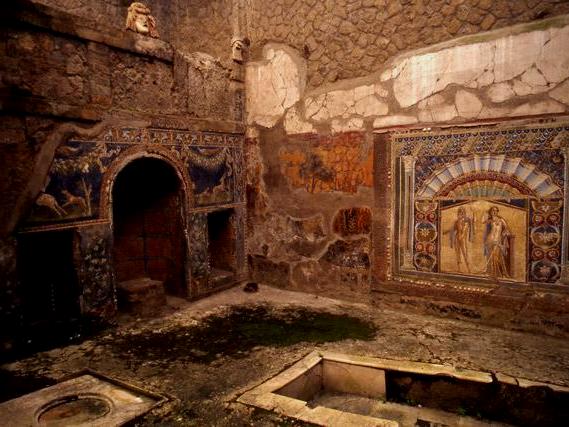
147 219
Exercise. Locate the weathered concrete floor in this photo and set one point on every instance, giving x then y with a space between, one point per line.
205 390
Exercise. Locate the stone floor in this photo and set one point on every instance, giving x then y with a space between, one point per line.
203 389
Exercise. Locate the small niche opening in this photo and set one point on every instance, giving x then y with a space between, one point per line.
148 232
221 246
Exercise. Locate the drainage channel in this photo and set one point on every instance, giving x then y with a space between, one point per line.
333 389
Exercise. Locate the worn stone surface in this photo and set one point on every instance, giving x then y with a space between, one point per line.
206 389
268 271
351 39
64 73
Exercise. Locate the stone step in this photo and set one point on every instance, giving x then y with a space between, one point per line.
142 296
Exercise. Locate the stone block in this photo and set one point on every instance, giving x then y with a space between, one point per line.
143 296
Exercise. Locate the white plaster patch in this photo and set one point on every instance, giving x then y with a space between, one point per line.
553 62
314 107
486 79
516 53
274 84
432 72
436 109
541 107
363 91
490 112
293 123
500 92
498 70
397 120
561 92
534 78
521 89
481 64
340 103
339 125
371 106
380 90
467 104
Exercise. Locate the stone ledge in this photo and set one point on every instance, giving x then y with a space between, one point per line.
40 106
57 20
530 310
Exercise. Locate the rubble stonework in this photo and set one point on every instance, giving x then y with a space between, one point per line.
505 73
346 39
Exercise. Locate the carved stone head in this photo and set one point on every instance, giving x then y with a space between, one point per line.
140 21
239 47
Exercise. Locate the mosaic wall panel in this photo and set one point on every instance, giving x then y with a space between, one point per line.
425 236
482 204
199 262
546 219
74 186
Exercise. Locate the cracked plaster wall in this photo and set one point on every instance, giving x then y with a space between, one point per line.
352 38
305 142
514 72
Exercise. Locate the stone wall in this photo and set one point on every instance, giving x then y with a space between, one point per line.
190 26
322 157
90 73
80 97
345 39
515 72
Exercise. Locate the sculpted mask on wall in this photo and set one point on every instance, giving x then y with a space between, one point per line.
239 47
141 21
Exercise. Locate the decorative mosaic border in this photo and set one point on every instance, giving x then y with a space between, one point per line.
415 234
82 171
127 135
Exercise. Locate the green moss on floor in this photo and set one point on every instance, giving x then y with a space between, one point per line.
239 330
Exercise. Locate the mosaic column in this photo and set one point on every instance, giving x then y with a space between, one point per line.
199 259
564 276
95 271
407 209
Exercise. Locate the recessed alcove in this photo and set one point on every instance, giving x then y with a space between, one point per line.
147 221
221 244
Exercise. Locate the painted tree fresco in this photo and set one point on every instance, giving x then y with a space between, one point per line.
342 162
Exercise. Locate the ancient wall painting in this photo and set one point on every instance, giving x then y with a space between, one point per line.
482 204
484 238
211 171
341 162
74 186
352 221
